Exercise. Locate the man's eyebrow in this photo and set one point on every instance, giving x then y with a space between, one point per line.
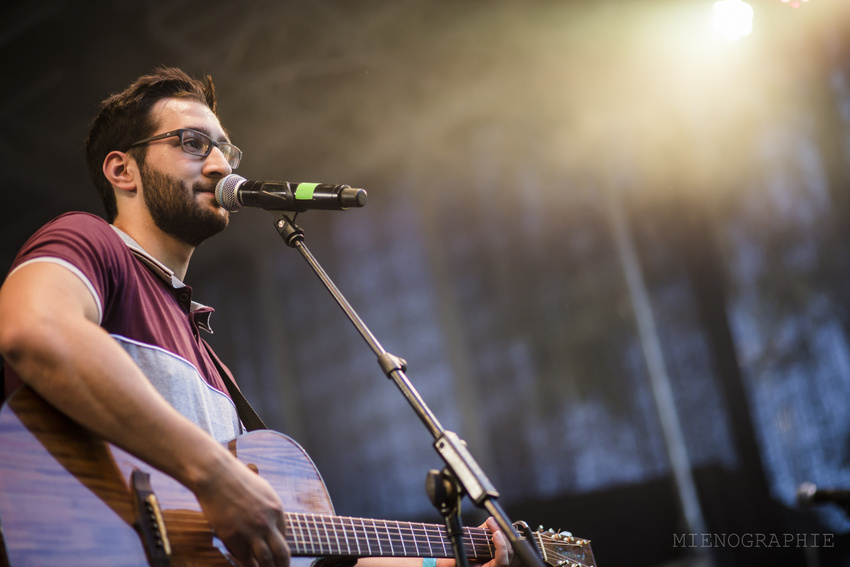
206 131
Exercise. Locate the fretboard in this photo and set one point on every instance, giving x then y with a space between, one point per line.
314 535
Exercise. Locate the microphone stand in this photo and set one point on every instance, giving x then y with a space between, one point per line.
461 474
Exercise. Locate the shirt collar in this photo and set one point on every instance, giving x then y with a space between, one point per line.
166 274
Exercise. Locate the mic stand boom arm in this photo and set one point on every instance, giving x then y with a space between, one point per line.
460 464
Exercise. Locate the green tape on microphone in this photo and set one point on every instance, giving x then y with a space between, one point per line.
304 191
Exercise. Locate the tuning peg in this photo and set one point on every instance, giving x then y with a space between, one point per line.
561 535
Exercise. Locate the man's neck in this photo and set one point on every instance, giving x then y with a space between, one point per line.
170 251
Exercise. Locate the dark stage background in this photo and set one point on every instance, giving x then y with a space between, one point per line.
581 216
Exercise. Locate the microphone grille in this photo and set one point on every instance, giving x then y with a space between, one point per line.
225 192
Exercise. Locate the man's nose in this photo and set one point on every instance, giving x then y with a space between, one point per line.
216 164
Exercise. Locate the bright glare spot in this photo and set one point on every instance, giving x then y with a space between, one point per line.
733 19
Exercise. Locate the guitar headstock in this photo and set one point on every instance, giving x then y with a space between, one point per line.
563 549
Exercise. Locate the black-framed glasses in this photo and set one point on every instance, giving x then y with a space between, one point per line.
198 144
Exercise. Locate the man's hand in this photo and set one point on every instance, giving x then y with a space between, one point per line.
247 515
504 551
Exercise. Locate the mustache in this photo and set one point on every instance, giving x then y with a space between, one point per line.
201 187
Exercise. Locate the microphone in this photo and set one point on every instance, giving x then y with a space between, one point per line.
234 192
808 494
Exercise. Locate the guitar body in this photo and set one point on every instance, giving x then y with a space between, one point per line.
69 498
66 496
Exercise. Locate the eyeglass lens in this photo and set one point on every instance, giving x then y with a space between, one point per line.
198 143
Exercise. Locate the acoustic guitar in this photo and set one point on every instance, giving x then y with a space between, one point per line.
69 498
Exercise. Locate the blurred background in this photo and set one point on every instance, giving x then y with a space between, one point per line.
608 240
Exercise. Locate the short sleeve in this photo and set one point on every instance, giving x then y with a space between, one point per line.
87 246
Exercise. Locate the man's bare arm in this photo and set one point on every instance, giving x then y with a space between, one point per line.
50 336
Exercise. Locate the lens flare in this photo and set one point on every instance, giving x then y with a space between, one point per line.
733 19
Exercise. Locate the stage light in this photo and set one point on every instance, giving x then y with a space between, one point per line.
733 18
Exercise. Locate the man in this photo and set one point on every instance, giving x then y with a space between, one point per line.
96 319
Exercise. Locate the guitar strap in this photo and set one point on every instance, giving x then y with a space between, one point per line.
249 417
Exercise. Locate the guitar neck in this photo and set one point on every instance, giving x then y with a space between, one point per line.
315 535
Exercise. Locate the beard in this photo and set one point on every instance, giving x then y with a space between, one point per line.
175 210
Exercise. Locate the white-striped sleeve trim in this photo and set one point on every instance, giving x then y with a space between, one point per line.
76 271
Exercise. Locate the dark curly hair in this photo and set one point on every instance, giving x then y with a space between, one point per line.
125 117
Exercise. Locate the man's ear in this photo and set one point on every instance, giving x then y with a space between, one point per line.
121 171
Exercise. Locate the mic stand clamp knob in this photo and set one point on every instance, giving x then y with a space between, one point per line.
444 493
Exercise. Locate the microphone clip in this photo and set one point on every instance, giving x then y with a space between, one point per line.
292 234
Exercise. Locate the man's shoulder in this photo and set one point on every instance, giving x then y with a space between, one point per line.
73 237
84 227
79 220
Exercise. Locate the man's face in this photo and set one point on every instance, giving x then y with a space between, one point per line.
178 188
176 209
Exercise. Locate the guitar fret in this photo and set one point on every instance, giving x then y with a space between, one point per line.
484 547
480 543
293 518
395 533
369 545
309 533
314 536
336 537
321 533
309 529
433 534
313 530
433 551
327 538
470 544
420 535
401 537
345 535
356 538
291 533
378 538
300 525
428 539
389 538
409 536
414 535
416 538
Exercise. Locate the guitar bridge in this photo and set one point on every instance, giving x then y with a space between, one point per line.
149 521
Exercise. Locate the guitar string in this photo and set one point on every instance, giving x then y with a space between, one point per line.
551 544
477 538
408 532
